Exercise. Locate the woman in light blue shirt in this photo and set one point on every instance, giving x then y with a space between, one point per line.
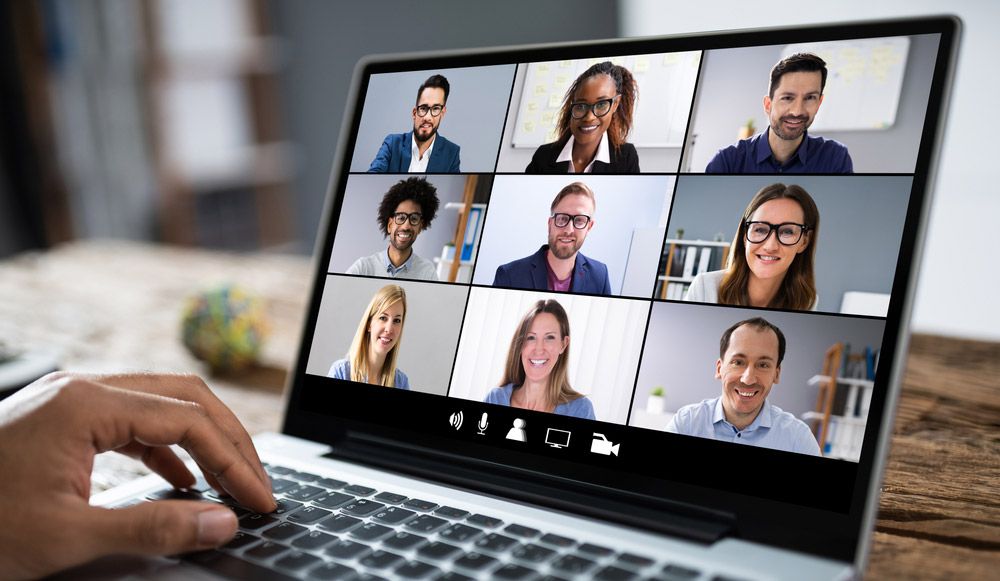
375 349
535 375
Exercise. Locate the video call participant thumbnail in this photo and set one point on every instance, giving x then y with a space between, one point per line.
422 150
559 265
407 209
794 96
594 122
771 259
375 348
536 373
749 364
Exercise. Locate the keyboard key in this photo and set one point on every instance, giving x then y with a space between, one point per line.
238 510
635 561
415 570
333 500
313 540
572 564
403 541
521 531
279 485
284 531
239 541
390 498
612 573
438 551
453 576
328 571
532 553
595 550
175 494
257 521
495 543
484 521
370 532
475 561
674 571
557 541
450 512
426 523
280 470
381 560
551 578
266 550
305 476
330 483
421 505
362 507
234 568
370 577
308 515
303 492
513 572
344 549
393 515
460 533
358 490
728 578
296 561
339 523
286 506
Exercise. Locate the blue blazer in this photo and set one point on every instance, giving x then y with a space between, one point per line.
394 155
531 272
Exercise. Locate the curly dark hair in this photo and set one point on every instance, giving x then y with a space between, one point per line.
621 122
417 189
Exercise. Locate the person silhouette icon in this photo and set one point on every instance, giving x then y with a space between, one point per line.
517 432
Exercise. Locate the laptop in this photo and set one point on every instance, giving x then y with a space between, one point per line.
680 363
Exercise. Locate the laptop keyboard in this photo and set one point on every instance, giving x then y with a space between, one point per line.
330 529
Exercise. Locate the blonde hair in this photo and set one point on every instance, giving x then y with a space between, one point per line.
559 390
360 346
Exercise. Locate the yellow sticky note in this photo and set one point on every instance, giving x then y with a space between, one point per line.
532 106
641 65
542 67
539 89
547 117
565 64
529 127
554 101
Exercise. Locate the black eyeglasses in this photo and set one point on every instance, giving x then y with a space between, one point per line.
580 221
600 108
423 110
415 218
789 233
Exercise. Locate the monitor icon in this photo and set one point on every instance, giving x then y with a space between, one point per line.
557 438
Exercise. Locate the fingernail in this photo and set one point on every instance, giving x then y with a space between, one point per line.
216 526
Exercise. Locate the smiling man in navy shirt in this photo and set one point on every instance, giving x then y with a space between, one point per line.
794 97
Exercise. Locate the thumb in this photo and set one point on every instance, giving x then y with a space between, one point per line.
164 527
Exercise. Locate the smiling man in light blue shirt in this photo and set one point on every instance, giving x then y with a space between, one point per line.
750 355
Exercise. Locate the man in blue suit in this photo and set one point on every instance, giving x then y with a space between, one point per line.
422 150
559 265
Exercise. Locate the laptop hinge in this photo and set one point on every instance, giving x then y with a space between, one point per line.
672 518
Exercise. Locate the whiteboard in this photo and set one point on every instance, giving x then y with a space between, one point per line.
864 81
666 87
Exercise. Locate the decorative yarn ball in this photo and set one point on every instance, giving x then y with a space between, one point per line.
224 327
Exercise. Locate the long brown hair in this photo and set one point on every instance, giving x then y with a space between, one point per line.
559 390
798 287
621 120
385 297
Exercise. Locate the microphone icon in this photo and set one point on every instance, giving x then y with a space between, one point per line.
483 422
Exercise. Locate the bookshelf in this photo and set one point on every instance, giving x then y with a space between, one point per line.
845 393
683 259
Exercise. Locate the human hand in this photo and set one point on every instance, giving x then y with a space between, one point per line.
49 434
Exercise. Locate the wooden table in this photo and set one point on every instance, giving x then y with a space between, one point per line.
115 305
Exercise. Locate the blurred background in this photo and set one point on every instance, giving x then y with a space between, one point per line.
214 123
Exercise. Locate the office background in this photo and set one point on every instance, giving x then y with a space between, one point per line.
861 223
477 102
682 346
627 233
430 327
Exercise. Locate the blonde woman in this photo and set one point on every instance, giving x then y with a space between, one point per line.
375 348
535 376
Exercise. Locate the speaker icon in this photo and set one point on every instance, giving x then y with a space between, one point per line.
456 420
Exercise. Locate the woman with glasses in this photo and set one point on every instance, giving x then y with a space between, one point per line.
594 121
771 258
535 376
375 348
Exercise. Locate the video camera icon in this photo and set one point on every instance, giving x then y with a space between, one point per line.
601 445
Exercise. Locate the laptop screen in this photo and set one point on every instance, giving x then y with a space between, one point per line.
676 267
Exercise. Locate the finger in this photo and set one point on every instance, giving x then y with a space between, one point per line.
161 460
192 388
165 527
161 421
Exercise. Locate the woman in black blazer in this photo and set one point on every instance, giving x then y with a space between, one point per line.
595 119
